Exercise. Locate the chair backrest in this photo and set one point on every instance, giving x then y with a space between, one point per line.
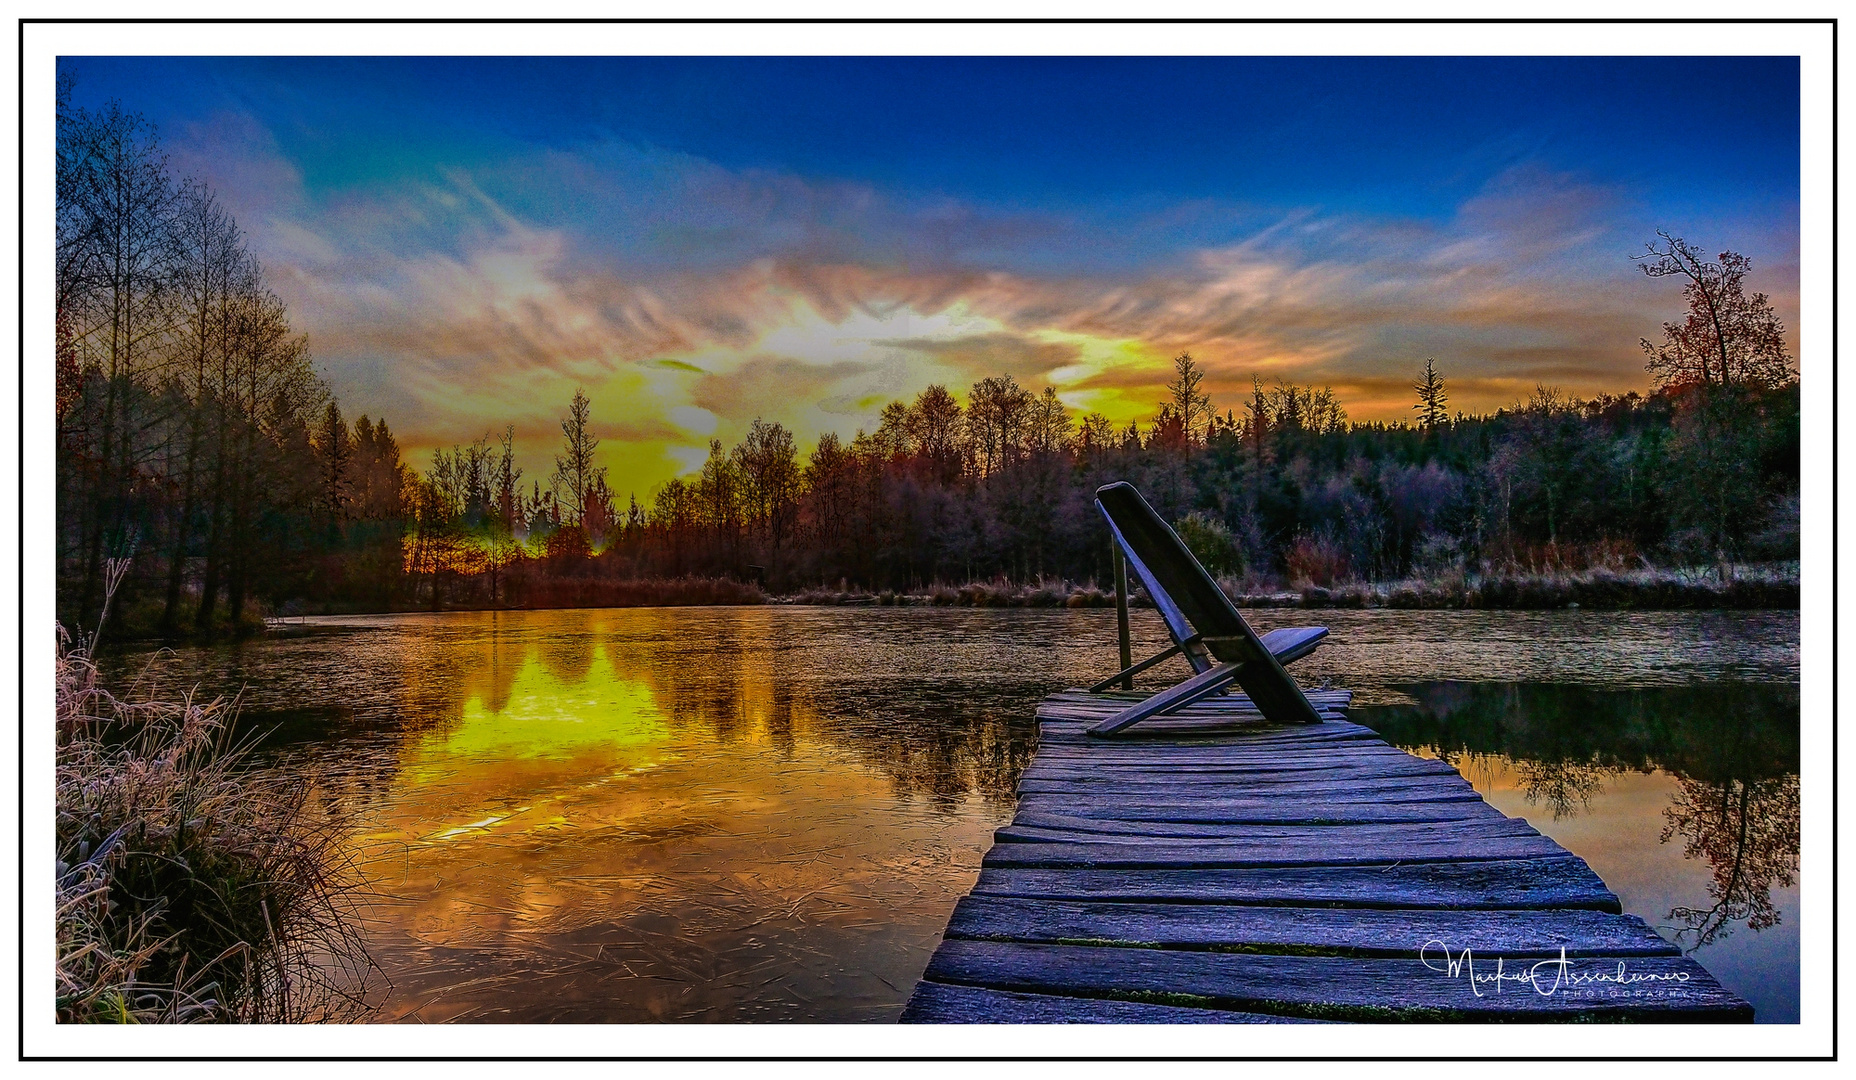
1190 602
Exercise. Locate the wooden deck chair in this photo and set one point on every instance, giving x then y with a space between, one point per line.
1206 628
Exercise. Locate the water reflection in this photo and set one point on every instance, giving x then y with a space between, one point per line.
1722 759
768 814
641 815
1747 830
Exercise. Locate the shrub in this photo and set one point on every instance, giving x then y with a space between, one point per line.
1212 544
1316 561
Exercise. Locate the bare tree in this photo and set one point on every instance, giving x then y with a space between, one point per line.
998 410
933 427
718 494
116 250
264 388
212 259
768 461
508 481
1728 338
574 471
1191 406
1051 430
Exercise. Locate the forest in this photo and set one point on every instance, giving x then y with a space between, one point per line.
207 477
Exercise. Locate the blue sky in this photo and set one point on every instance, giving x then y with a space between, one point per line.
698 241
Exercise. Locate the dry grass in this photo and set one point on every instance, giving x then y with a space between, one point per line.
568 592
189 888
1600 587
1042 593
1646 589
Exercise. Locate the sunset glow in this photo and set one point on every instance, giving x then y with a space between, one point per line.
703 242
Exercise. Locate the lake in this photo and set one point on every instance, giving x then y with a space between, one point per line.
768 813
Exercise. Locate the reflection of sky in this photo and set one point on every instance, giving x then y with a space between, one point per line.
546 717
589 830
701 241
550 739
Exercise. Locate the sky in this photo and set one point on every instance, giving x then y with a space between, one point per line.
702 242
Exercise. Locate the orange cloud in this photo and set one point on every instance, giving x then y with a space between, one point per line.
766 386
770 296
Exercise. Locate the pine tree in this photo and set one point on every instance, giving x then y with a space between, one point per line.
1431 397
336 450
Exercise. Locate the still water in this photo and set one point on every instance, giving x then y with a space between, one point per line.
760 814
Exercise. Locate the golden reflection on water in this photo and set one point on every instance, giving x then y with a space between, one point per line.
594 832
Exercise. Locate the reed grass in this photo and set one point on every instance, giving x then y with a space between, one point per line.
1040 593
190 888
1742 587
1773 586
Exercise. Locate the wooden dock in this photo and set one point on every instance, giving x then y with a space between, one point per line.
1210 868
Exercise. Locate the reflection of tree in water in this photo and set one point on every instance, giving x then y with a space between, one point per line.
1562 742
939 744
1561 784
1748 832
1732 749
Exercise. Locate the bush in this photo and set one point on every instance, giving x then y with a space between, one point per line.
1212 544
1316 561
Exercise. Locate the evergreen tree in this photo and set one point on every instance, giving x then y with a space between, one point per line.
1431 397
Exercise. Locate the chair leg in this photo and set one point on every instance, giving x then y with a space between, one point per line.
1199 687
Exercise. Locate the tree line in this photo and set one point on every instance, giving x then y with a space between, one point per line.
1283 489
207 475
204 471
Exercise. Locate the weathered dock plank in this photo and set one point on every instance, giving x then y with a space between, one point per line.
1432 782
1349 750
1208 867
1213 712
1559 882
1126 854
1188 731
1280 773
940 1003
1094 815
1029 828
1365 989
1395 932
1081 701
1093 804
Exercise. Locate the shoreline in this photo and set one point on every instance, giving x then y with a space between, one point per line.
1744 589
1594 591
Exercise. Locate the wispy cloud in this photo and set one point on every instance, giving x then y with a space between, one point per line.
689 299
